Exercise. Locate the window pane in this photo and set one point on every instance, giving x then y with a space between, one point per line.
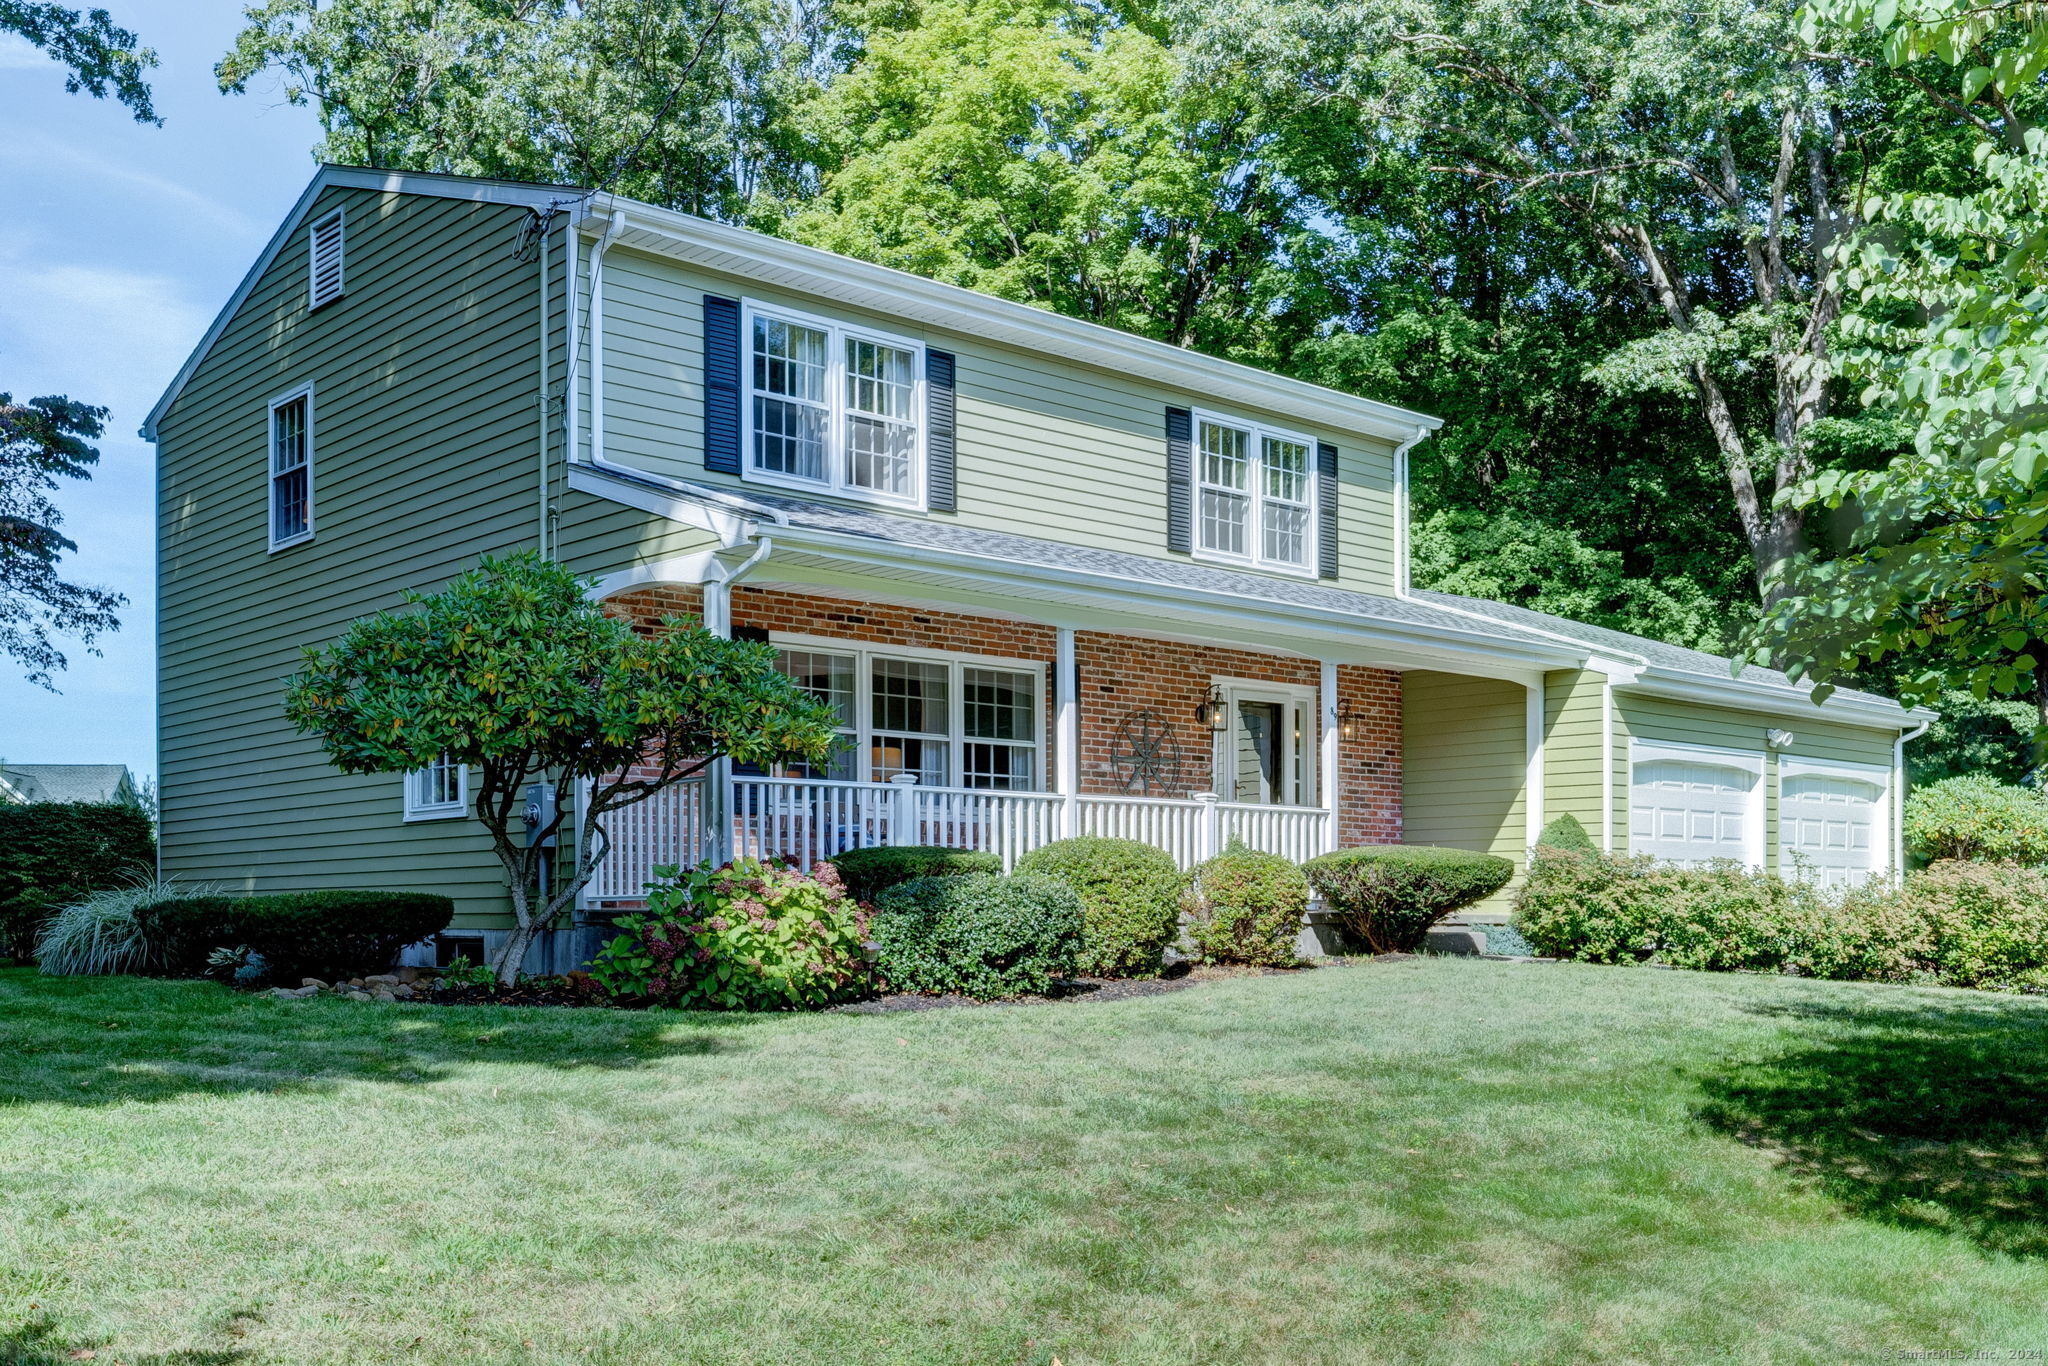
879 454
1286 533
1012 767
288 436
997 704
288 505
789 438
1226 458
824 675
1286 470
789 359
890 755
878 379
1223 521
910 695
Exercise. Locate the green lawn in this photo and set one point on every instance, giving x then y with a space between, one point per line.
1423 1161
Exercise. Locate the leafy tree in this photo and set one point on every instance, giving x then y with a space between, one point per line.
1942 576
98 56
680 102
42 441
512 670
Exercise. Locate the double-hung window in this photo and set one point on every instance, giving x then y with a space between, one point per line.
949 721
291 468
1255 495
834 408
440 789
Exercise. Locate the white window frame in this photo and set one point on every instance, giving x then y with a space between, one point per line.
837 334
956 701
270 475
1878 775
1223 752
1256 527
314 303
417 808
1749 761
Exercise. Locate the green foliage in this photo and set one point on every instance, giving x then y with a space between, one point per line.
1244 906
1565 832
746 936
978 934
1389 895
320 934
97 54
869 872
1989 923
1976 817
1987 736
514 670
463 973
56 853
1130 900
100 934
41 442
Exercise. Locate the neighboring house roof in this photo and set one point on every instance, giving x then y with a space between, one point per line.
67 782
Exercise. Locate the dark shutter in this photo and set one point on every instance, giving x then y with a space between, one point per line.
721 384
1326 510
939 479
1180 479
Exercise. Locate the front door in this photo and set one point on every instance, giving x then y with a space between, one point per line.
1266 754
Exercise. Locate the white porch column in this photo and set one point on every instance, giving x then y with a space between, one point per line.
1067 743
717 807
1533 780
1331 757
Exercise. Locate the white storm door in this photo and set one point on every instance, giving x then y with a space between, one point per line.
1690 805
1832 821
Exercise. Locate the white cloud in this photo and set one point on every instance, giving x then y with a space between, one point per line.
19 54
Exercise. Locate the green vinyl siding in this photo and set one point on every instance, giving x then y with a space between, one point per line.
1572 702
1464 766
1045 447
425 381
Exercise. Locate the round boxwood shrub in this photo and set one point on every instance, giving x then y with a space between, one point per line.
1565 832
1244 906
1978 818
867 873
319 934
980 935
1389 895
1130 900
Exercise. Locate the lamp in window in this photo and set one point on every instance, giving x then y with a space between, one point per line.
1213 712
1348 720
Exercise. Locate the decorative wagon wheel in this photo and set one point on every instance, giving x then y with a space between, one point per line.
1146 754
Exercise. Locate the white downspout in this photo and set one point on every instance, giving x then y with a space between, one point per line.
613 227
1332 755
542 419
1607 765
1401 579
1899 795
718 621
1533 807
1067 773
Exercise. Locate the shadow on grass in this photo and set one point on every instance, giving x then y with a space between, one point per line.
37 1344
1920 1114
102 1041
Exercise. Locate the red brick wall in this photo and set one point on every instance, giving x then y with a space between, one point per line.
1118 675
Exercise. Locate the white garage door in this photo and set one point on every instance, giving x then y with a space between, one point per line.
1831 826
1690 810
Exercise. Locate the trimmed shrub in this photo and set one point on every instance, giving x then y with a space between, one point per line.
1871 933
1975 817
1389 895
1246 907
980 935
100 935
747 936
1612 909
53 854
320 934
1988 923
1566 833
1130 900
867 873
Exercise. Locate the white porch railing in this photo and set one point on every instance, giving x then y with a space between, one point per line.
808 820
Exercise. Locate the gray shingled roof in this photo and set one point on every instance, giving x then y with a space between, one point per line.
1031 550
1674 657
66 782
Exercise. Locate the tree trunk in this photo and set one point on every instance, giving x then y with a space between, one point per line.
512 956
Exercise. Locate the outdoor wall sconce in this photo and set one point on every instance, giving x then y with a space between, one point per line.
1213 712
1347 719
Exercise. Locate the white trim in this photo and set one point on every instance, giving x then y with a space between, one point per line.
730 527
699 568
314 303
1534 713
1748 761
435 811
1884 839
596 325
1067 725
1306 751
1796 765
270 476
837 332
1403 512
1256 434
1330 758
956 736
1607 765
861 284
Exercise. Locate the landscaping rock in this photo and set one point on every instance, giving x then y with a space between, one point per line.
314 982
283 994
383 996
409 975
382 979
359 996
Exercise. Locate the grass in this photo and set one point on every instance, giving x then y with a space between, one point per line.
1431 1161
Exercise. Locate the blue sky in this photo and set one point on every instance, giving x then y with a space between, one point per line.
119 244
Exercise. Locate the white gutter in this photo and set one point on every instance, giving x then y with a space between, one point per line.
1899 794
541 403
612 230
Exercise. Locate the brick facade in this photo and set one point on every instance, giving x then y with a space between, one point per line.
1119 676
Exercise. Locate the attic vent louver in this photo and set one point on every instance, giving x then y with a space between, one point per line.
326 260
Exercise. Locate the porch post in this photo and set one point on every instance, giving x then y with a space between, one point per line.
716 809
1533 778
1328 767
1067 744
